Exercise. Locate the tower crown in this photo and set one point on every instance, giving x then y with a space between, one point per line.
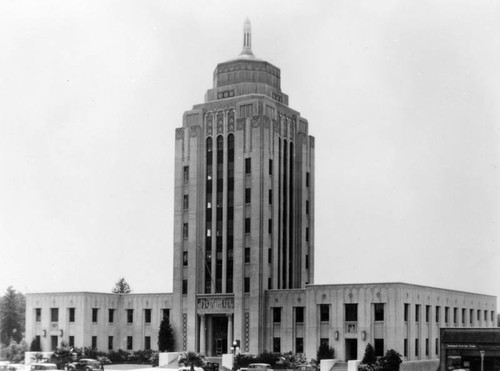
247 38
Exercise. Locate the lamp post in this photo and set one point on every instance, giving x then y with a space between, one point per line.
234 347
482 359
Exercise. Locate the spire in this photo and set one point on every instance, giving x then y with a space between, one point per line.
247 38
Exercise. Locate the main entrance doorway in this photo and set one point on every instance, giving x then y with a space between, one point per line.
351 349
219 335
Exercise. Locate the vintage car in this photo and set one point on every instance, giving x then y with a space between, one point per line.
43 366
85 364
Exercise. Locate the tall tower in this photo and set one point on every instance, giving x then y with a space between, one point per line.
244 206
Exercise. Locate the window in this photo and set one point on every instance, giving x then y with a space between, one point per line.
247 225
405 347
416 347
351 312
248 195
307 179
492 316
53 342
147 315
307 234
478 315
307 262
270 226
248 165
299 314
446 314
95 312
54 314
246 110
324 342
130 315
186 173
379 311
166 314
130 342
147 342
324 312
379 347
406 312
94 342
455 315
247 284
437 346
110 342
38 314
111 315
485 315
185 202
277 345
269 283
247 255
185 230
71 341
427 313
184 287
299 345
269 255
277 315
417 312
270 197
71 314
463 316
184 258
270 166
471 316
438 309
307 207
427 347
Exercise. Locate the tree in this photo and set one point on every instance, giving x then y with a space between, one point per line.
166 339
369 357
325 352
35 345
192 359
391 361
12 316
121 287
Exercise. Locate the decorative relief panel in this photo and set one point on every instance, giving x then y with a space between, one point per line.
247 332
194 130
209 124
266 122
276 126
240 123
214 304
184 330
179 133
230 125
255 121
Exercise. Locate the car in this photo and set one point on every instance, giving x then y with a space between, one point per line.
85 364
188 368
42 366
259 367
16 367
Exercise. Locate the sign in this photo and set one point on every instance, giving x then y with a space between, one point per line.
460 346
215 304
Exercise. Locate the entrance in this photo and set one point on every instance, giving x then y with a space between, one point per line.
351 349
219 338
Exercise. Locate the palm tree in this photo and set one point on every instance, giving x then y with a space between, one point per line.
192 359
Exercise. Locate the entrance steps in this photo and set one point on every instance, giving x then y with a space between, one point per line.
339 366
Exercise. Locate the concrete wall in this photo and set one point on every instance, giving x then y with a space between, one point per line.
431 365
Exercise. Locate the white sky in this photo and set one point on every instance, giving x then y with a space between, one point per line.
402 97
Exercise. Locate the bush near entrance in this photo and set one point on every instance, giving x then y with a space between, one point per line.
275 360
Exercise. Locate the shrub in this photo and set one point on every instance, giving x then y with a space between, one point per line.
369 358
391 361
325 352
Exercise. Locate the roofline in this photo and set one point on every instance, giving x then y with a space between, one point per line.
401 283
96 293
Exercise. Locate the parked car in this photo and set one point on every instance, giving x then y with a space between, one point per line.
85 364
42 366
188 368
257 367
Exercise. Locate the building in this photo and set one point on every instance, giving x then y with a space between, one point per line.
244 249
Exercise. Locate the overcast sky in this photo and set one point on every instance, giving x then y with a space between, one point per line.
402 97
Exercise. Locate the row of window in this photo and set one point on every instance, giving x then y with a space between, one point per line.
54 315
417 347
447 310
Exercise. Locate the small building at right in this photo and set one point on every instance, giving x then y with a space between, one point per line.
471 349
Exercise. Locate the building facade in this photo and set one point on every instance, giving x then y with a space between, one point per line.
244 205
244 250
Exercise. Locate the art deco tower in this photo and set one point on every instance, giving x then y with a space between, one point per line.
244 206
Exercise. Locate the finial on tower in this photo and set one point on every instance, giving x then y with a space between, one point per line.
247 38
